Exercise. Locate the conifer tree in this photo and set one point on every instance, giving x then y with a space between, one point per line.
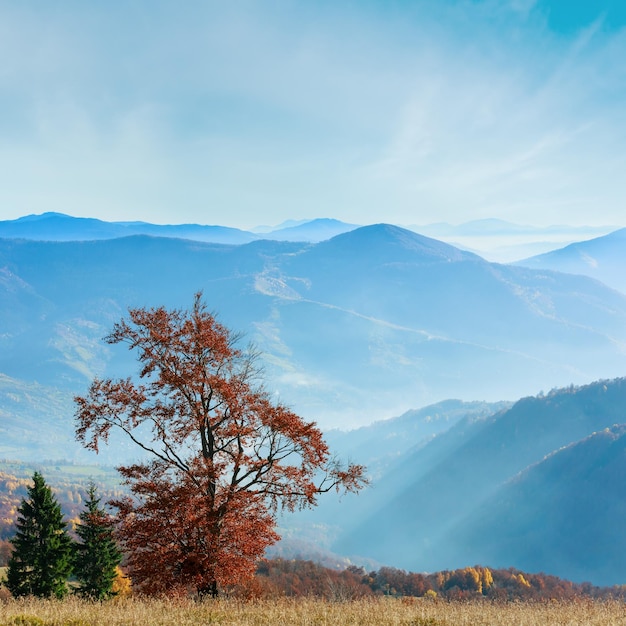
42 549
97 555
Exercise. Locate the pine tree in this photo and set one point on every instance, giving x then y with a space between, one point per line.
42 549
97 556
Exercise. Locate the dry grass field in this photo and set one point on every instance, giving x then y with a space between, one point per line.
378 612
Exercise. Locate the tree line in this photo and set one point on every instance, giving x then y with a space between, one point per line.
302 578
44 557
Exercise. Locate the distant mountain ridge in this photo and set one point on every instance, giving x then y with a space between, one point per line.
507 242
60 227
315 230
491 226
602 258
494 239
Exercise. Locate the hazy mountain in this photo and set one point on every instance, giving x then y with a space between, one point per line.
60 227
363 326
493 226
264 228
456 501
382 447
426 306
506 242
381 443
494 239
563 515
313 230
603 258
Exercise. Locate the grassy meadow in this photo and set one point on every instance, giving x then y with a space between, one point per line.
374 612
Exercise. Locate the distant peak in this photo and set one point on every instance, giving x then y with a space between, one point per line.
376 237
383 230
41 216
318 229
327 220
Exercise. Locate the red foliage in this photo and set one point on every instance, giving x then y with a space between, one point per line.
278 577
224 457
299 578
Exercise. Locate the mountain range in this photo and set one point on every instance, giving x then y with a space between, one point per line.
61 227
495 239
492 226
364 325
377 308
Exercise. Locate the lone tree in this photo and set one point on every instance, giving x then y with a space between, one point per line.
41 560
223 458
96 556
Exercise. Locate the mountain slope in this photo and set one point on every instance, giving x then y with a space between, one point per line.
381 443
452 311
602 258
435 505
563 515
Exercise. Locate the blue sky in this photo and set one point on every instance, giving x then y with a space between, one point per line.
246 113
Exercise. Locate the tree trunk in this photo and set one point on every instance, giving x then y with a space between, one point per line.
208 591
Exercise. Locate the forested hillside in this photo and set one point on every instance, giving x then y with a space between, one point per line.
548 470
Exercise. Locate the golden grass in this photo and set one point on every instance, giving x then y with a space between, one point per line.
377 612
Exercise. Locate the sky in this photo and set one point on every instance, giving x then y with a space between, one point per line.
248 113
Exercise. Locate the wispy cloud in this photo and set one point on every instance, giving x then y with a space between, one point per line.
240 113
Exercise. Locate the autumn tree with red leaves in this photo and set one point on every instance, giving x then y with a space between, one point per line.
222 457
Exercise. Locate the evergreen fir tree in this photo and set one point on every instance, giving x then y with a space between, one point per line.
97 556
42 550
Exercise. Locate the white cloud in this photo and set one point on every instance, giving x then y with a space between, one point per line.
243 114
